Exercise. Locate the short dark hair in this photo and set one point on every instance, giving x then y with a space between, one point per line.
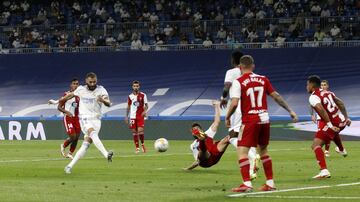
315 79
91 75
235 56
325 81
74 79
247 60
195 124
136 82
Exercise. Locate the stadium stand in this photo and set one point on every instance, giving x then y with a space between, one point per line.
149 25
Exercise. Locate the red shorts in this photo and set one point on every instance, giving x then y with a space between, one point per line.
215 154
327 134
72 125
253 134
137 123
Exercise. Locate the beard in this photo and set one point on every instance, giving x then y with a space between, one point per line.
91 87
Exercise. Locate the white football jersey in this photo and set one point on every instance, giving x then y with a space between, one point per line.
89 107
231 75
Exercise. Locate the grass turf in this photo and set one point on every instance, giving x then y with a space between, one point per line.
33 171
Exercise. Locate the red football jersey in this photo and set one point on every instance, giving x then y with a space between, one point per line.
72 105
252 89
326 99
137 103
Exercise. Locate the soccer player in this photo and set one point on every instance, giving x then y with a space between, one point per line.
136 111
231 75
70 109
206 151
251 90
315 118
328 107
92 98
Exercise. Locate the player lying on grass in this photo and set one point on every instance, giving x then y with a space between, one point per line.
70 109
206 150
333 118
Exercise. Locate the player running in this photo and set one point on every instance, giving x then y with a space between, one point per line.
92 98
206 151
331 122
136 111
231 75
315 117
70 109
251 90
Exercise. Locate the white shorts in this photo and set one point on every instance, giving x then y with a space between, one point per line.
87 123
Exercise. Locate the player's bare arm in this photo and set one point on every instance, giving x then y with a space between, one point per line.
193 165
343 110
127 114
312 113
223 101
280 101
217 120
323 114
146 107
61 108
105 100
66 97
232 108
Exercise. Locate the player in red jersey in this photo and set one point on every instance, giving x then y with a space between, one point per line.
334 118
136 112
207 152
251 90
337 140
70 109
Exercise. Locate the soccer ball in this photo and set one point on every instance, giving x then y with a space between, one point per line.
161 145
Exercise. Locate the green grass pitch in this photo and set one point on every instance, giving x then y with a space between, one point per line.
33 171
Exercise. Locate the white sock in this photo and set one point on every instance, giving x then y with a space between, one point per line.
234 141
248 183
270 183
252 159
79 154
98 144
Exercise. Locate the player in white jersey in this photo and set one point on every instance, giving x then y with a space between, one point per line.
231 75
92 98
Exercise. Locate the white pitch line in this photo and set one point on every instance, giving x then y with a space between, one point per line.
294 189
123 156
307 197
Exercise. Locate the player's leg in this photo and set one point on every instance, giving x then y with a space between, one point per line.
320 156
235 126
247 138
73 145
263 142
223 144
133 127
70 130
327 150
140 130
79 154
252 155
94 135
340 148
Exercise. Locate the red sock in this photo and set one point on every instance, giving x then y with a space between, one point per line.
73 146
320 157
267 164
141 136
327 147
67 142
136 140
245 169
338 142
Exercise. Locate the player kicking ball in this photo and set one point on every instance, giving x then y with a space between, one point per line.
251 90
207 152
92 98
70 109
333 119
136 112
